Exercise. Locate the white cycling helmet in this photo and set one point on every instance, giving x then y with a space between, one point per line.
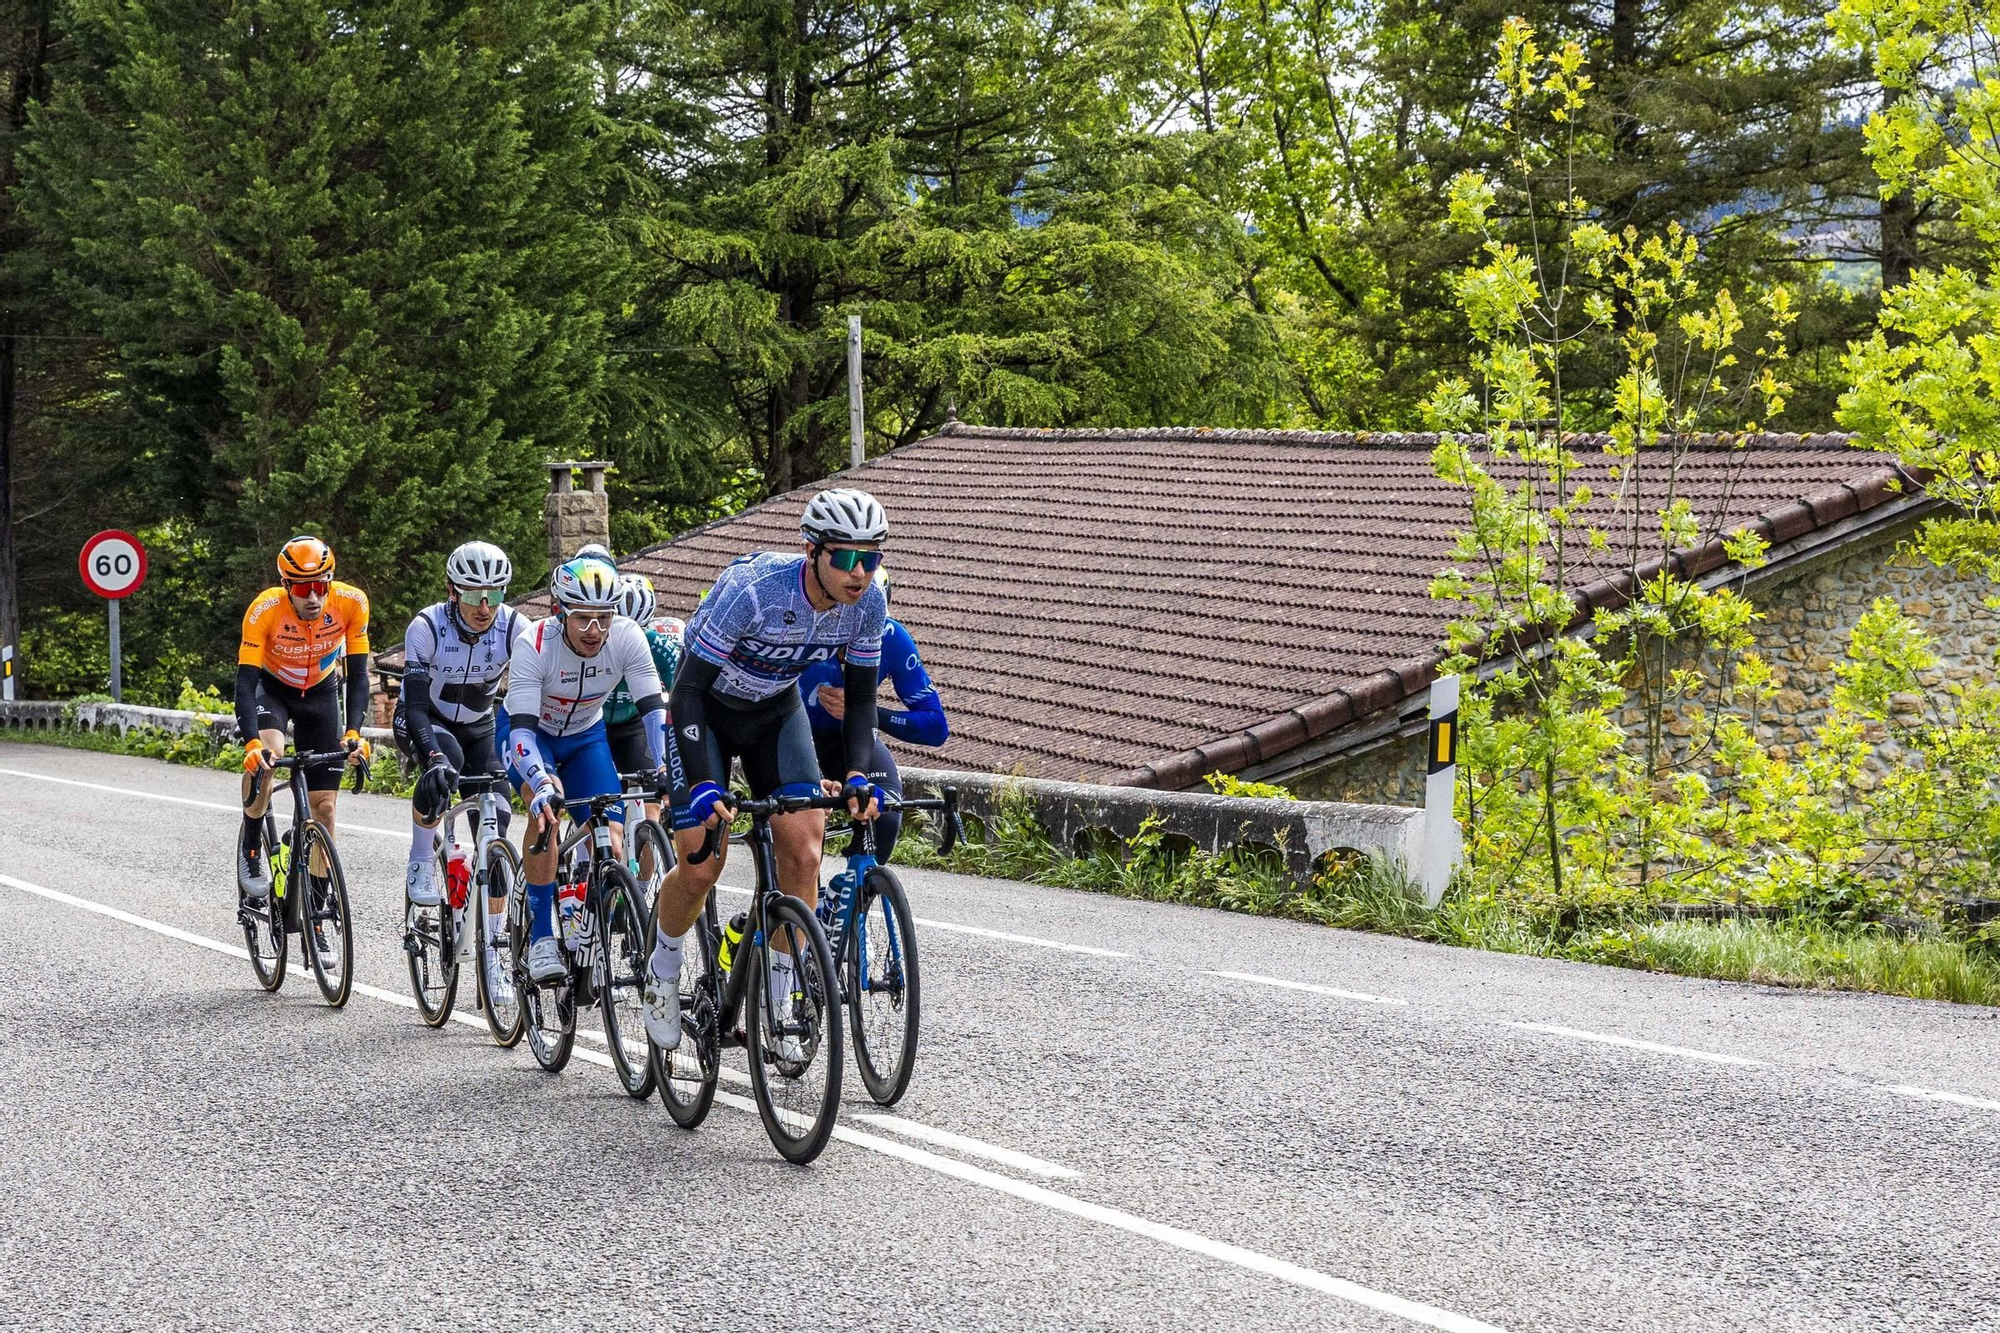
478 565
584 585
601 554
635 597
844 515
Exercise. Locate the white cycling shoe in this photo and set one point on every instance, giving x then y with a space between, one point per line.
663 1011
499 978
788 1047
420 882
546 962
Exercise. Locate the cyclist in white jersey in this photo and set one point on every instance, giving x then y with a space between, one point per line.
561 672
455 655
768 618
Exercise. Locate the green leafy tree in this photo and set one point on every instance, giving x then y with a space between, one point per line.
352 266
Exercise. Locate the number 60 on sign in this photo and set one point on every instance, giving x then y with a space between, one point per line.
113 564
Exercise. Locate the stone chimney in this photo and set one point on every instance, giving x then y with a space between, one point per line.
576 517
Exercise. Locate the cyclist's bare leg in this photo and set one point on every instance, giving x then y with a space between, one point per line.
257 787
321 804
798 839
685 888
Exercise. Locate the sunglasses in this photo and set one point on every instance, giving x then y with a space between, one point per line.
482 596
845 561
602 620
309 587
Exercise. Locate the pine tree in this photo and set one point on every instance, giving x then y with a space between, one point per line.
352 263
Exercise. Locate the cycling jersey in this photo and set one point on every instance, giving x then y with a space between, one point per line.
664 637
276 641
463 677
565 693
922 724
759 629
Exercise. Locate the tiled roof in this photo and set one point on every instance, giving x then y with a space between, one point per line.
1145 606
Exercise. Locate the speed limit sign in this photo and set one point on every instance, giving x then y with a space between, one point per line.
113 564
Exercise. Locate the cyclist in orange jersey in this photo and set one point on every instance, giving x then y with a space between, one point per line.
297 639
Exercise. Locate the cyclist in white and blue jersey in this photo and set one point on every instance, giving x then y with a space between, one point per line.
768 618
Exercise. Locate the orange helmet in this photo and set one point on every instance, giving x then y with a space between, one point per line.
305 558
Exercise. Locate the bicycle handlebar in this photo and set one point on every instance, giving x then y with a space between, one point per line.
759 811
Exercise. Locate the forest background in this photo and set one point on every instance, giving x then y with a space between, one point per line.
365 267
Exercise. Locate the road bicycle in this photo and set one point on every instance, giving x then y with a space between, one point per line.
797 1099
319 906
438 940
607 960
872 935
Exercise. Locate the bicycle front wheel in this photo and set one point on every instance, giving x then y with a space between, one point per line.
329 928
503 873
793 1038
879 974
626 950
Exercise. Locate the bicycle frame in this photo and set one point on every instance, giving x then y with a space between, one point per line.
843 923
294 841
481 796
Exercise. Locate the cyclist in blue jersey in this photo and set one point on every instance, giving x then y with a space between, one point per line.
921 721
768 618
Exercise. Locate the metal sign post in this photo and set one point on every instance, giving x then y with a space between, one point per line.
113 565
1442 836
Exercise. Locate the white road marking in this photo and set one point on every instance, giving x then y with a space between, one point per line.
341 825
1609 1040
944 1138
1417 1312
1932 1094
1334 991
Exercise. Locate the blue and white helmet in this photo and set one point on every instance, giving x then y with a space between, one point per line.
585 585
594 551
635 597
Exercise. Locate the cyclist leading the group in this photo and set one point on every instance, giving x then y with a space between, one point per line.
297 637
768 618
456 653
561 672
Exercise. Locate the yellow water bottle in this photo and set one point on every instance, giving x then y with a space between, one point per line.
732 935
280 863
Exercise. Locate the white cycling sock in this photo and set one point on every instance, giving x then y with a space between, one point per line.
496 926
781 983
422 840
666 955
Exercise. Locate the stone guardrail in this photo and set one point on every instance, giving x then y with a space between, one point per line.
1072 812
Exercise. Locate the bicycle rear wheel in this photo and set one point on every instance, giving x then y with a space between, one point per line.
326 918
263 922
626 944
548 1013
430 947
879 974
653 853
503 873
686 1075
797 1091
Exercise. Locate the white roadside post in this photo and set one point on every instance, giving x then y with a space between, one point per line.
1442 838
7 672
856 453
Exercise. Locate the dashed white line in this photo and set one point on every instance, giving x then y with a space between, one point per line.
1605 1038
1417 1312
1333 991
1932 1094
944 1138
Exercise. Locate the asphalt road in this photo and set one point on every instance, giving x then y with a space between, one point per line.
1147 1124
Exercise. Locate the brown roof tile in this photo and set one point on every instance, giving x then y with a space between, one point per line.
1143 606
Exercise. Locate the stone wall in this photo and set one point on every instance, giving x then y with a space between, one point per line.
1809 613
